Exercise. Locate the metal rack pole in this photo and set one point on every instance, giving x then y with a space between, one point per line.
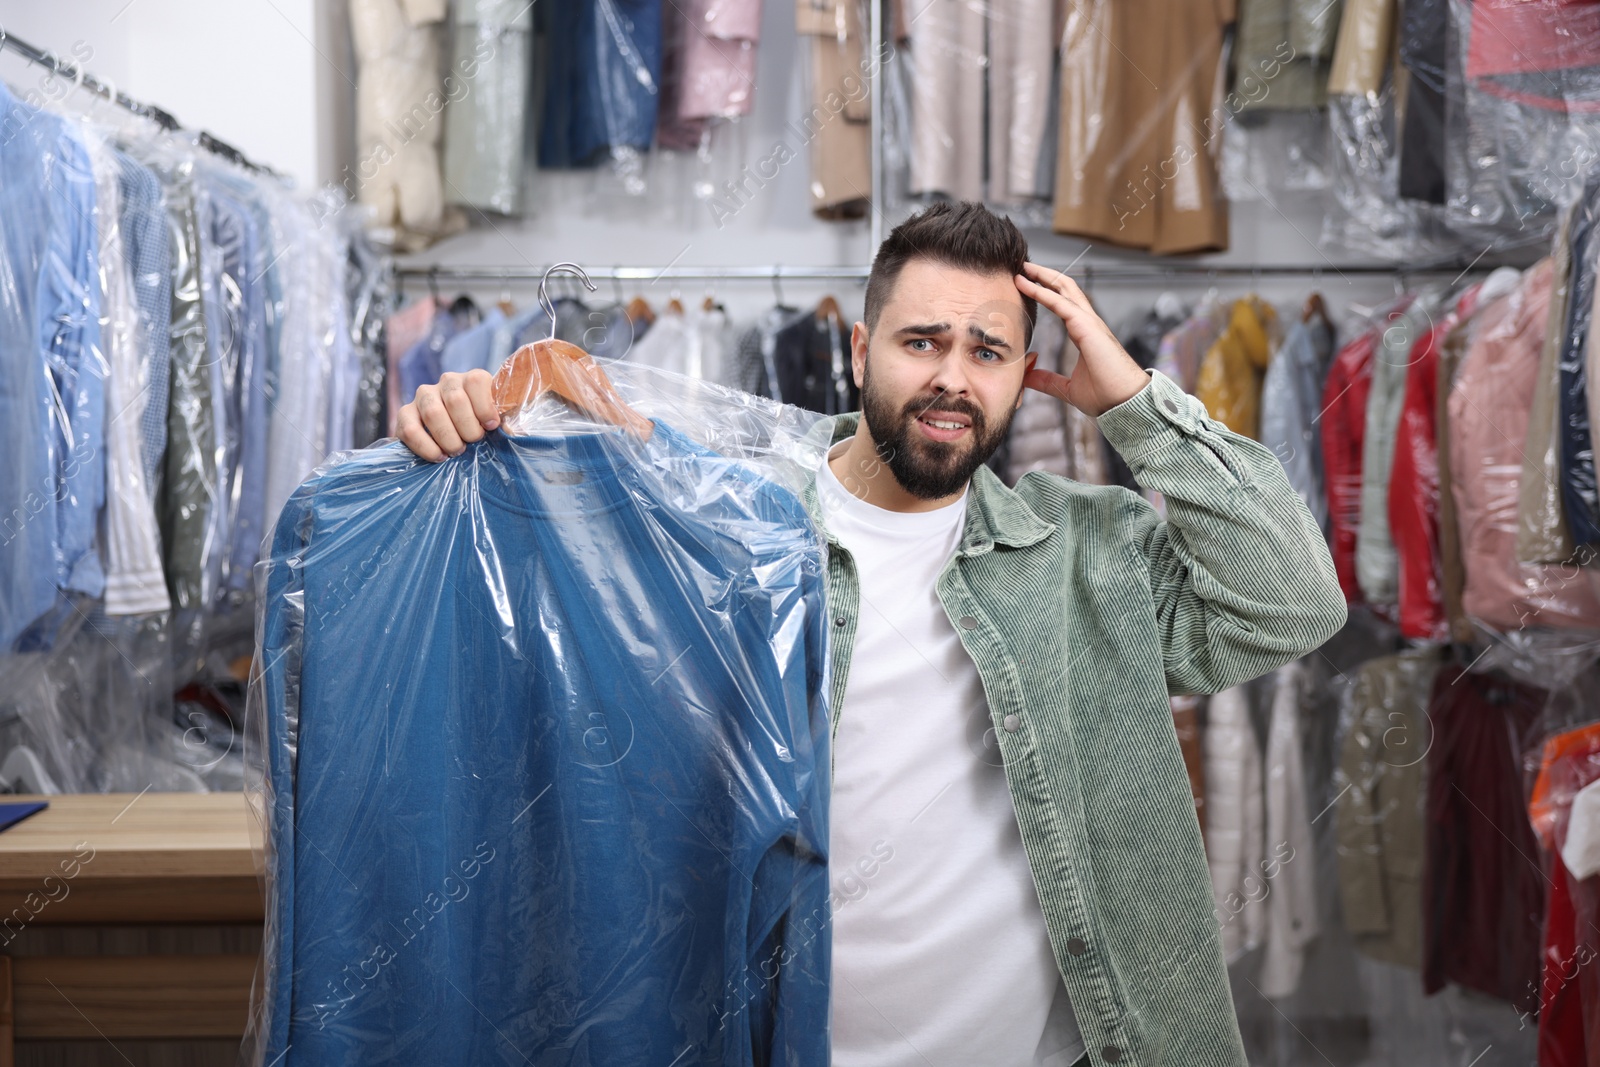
10 42
877 199
444 272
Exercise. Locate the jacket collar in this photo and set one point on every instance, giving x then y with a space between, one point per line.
995 513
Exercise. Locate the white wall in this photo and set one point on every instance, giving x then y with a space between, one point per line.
247 71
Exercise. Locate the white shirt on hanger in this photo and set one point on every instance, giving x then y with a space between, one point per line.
940 951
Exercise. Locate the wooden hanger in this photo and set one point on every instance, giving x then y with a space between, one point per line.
566 371
1314 309
507 308
828 310
638 310
675 306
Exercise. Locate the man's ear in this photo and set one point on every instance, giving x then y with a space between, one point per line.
858 352
1028 363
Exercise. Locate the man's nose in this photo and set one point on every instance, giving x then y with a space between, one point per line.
950 374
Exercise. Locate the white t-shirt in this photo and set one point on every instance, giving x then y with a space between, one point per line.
940 953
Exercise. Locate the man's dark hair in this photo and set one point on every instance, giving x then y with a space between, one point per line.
962 234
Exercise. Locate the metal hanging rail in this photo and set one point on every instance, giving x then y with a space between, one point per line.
10 42
444 272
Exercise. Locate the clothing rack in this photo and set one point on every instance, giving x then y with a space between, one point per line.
10 42
444 272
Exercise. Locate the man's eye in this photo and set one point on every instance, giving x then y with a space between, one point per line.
921 341
989 355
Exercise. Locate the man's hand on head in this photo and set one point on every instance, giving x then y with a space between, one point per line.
1105 375
443 419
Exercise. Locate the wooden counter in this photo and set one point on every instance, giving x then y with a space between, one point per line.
151 860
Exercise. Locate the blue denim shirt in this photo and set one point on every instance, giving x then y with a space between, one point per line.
147 248
573 802
54 375
603 82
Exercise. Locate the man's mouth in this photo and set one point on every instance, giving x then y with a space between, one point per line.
943 425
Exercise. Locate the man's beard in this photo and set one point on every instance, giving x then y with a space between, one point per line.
929 470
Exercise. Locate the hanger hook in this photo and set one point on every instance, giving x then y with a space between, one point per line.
544 294
777 289
433 282
616 282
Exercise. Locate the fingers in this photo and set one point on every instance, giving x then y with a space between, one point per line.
444 418
479 386
1049 382
408 424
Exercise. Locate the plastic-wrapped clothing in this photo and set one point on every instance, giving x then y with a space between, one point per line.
1452 570
811 358
693 342
1141 339
632 784
1344 423
1231 374
1136 161
720 59
33 177
948 61
839 123
1569 765
147 247
1412 510
239 311
1480 870
1235 822
1362 51
1489 405
1380 821
1291 404
1424 50
132 544
1291 923
1377 565
1581 851
399 101
672 132
1282 53
1542 534
1184 347
1579 494
487 86
1544 54
401 330
189 476
69 339
959 49
1022 87
469 349
1038 438
754 369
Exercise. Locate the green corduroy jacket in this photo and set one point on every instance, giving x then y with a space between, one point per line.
1083 609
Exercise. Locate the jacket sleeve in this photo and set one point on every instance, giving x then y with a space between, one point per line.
1242 579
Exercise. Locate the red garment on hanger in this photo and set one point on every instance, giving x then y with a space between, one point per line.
1344 424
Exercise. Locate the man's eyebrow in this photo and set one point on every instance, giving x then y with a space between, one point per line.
929 329
923 328
976 331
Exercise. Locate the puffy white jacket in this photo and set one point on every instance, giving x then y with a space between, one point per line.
1235 822
400 106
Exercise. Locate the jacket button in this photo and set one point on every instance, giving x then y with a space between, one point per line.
1077 946
1111 1054
1011 723
839 621
968 622
1172 407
